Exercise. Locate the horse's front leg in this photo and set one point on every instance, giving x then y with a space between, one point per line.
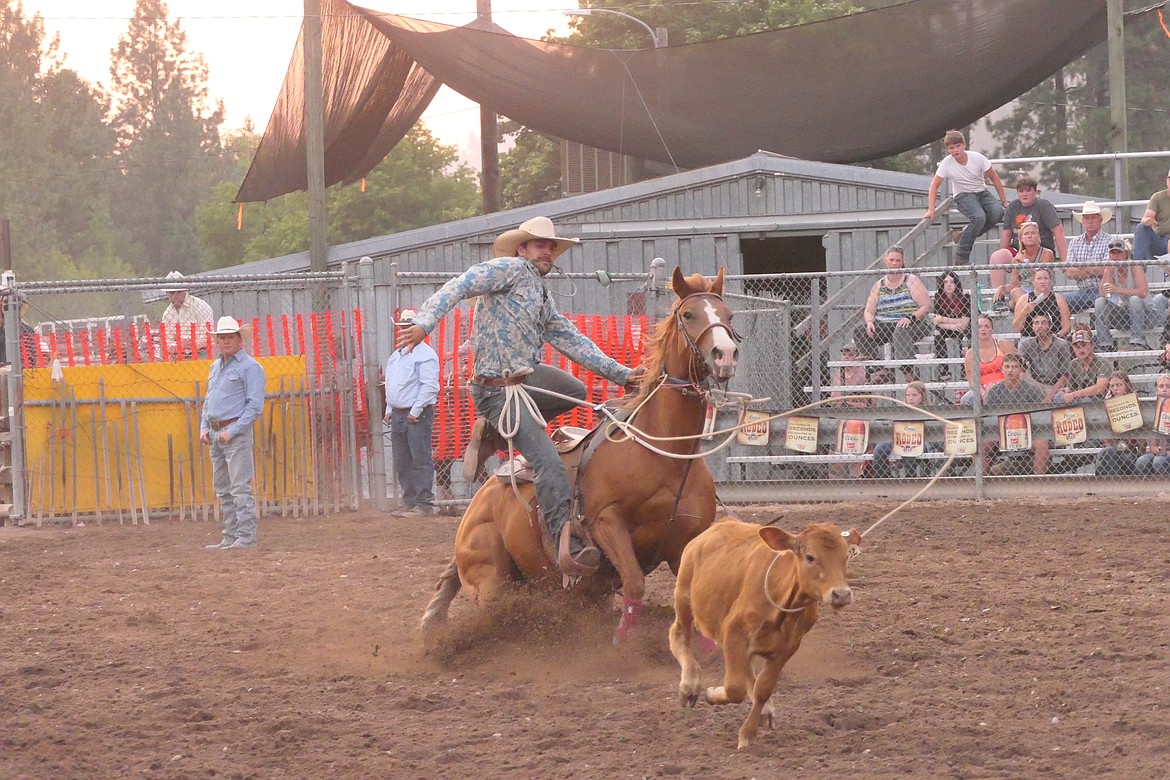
612 536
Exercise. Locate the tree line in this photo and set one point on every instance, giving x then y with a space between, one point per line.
134 178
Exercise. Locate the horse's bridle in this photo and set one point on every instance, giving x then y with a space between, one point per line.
697 356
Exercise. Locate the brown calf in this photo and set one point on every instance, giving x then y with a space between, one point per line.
757 591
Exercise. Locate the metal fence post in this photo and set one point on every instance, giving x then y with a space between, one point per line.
376 453
348 406
657 287
15 409
814 337
977 393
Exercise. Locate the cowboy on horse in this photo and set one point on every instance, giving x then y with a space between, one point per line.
514 317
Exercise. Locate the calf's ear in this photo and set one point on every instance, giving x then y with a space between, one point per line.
777 538
853 539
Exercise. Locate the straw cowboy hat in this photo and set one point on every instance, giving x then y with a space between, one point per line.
537 227
227 326
174 275
406 317
1090 207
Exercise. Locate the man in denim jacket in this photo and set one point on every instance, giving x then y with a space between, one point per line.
514 317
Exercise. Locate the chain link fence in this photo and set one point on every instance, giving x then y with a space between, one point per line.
1065 429
107 408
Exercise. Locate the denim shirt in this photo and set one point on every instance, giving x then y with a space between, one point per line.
235 388
412 379
514 317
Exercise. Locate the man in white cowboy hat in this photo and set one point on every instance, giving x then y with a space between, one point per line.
1087 255
183 311
235 399
412 387
514 317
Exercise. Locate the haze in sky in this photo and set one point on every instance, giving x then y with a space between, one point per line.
247 46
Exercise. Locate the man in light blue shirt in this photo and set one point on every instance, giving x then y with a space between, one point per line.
235 399
514 317
412 387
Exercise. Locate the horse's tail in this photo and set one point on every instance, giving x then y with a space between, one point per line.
445 591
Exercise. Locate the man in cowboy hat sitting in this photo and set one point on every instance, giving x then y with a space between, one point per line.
1087 255
514 317
183 311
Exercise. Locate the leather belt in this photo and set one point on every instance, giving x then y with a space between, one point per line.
220 424
401 409
498 381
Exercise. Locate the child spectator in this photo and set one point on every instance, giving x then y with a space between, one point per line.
1156 460
913 467
966 172
1030 207
1118 456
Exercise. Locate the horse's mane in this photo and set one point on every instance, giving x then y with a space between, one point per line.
666 337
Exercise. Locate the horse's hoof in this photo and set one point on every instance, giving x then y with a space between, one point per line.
688 700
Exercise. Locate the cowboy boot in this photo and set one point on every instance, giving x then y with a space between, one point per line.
484 441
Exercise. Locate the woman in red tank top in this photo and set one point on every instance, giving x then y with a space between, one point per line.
991 352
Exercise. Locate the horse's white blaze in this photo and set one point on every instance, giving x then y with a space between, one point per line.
721 339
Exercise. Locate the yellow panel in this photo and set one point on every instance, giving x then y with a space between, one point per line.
142 443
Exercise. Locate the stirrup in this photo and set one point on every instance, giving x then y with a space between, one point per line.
583 563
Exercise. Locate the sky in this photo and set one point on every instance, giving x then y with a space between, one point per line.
247 45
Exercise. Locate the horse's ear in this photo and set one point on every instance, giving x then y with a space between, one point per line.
679 283
717 285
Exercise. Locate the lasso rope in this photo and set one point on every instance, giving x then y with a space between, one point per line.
641 437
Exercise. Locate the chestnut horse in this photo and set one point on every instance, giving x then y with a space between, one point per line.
641 507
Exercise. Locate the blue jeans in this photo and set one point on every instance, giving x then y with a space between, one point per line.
554 494
232 469
1133 312
414 461
915 467
1147 243
1081 300
1152 465
983 212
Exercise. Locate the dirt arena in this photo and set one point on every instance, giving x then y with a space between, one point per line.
984 641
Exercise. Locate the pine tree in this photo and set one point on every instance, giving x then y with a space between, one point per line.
54 170
168 140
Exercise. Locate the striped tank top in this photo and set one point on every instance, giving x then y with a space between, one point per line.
894 303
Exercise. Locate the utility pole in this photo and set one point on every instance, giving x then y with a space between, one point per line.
315 137
489 150
1118 132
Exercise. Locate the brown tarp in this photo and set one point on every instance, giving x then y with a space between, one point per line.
845 90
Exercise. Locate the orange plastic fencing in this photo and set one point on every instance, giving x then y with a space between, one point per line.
319 337
622 338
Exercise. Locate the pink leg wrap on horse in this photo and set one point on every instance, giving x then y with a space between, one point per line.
704 644
631 613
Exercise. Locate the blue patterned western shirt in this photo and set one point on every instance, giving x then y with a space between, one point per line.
514 317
